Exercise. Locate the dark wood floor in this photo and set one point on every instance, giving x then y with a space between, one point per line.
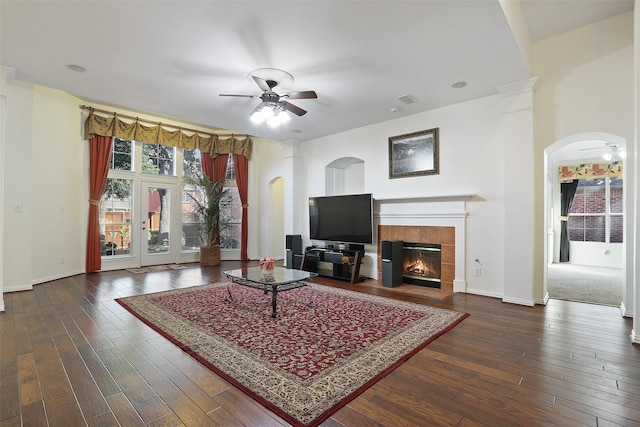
70 356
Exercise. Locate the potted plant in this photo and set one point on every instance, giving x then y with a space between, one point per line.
209 202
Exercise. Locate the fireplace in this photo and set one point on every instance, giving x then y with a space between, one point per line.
421 264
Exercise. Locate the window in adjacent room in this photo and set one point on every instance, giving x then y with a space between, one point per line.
596 212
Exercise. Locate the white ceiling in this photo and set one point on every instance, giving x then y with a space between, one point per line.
173 58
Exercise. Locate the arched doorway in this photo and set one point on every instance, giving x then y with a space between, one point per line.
593 229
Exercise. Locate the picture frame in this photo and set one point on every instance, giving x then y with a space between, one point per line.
414 154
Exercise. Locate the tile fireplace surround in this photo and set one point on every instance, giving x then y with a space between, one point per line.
444 236
436 219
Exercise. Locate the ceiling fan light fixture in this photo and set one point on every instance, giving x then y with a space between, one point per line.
283 117
256 115
267 112
273 122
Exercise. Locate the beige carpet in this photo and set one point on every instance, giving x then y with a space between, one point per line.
595 285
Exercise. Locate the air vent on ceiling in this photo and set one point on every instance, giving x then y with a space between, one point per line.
408 99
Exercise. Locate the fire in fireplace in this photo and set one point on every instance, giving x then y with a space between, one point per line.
421 264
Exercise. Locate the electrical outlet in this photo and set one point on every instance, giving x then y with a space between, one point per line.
478 272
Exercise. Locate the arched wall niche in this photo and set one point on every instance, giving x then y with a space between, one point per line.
344 176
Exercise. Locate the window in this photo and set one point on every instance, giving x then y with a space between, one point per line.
191 163
191 167
596 212
230 237
130 165
158 159
121 155
115 217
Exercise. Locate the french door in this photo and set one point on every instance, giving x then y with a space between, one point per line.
159 223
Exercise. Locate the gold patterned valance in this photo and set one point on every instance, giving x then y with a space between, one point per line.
590 171
159 134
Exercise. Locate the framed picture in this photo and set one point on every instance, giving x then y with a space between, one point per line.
414 154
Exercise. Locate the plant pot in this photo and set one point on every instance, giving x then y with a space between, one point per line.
209 255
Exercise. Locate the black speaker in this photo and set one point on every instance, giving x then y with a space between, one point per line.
391 253
294 242
293 260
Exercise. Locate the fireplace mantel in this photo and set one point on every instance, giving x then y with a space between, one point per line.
450 198
434 211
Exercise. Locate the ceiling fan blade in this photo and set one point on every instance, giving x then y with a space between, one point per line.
293 108
242 96
305 94
591 148
262 84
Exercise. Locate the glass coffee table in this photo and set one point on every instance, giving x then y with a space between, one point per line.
280 280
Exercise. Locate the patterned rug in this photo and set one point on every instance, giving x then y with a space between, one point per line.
155 268
308 362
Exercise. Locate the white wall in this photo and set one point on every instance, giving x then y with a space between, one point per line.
471 162
45 180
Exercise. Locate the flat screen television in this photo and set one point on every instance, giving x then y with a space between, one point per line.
347 219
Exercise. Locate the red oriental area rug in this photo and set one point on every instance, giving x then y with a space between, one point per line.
308 362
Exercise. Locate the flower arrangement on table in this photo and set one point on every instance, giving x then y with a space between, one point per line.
267 263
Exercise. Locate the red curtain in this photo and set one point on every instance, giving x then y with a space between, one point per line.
99 156
215 169
207 165
242 180
220 166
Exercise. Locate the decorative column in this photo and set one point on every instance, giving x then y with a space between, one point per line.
519 194
6 78
293 179
635 331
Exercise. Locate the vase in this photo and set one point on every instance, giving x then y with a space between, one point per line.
267 274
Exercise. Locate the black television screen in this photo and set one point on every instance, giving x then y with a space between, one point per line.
347 218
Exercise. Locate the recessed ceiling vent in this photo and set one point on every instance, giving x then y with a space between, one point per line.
408 99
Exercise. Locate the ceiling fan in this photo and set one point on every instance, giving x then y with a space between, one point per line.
612 150
273 108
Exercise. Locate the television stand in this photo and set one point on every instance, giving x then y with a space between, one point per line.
342 264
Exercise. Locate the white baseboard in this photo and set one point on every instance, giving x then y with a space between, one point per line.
459 285
55 277
518 301
542 301
635 339
484 293
18 288
624 312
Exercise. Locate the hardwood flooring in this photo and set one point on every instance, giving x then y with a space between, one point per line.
70 357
